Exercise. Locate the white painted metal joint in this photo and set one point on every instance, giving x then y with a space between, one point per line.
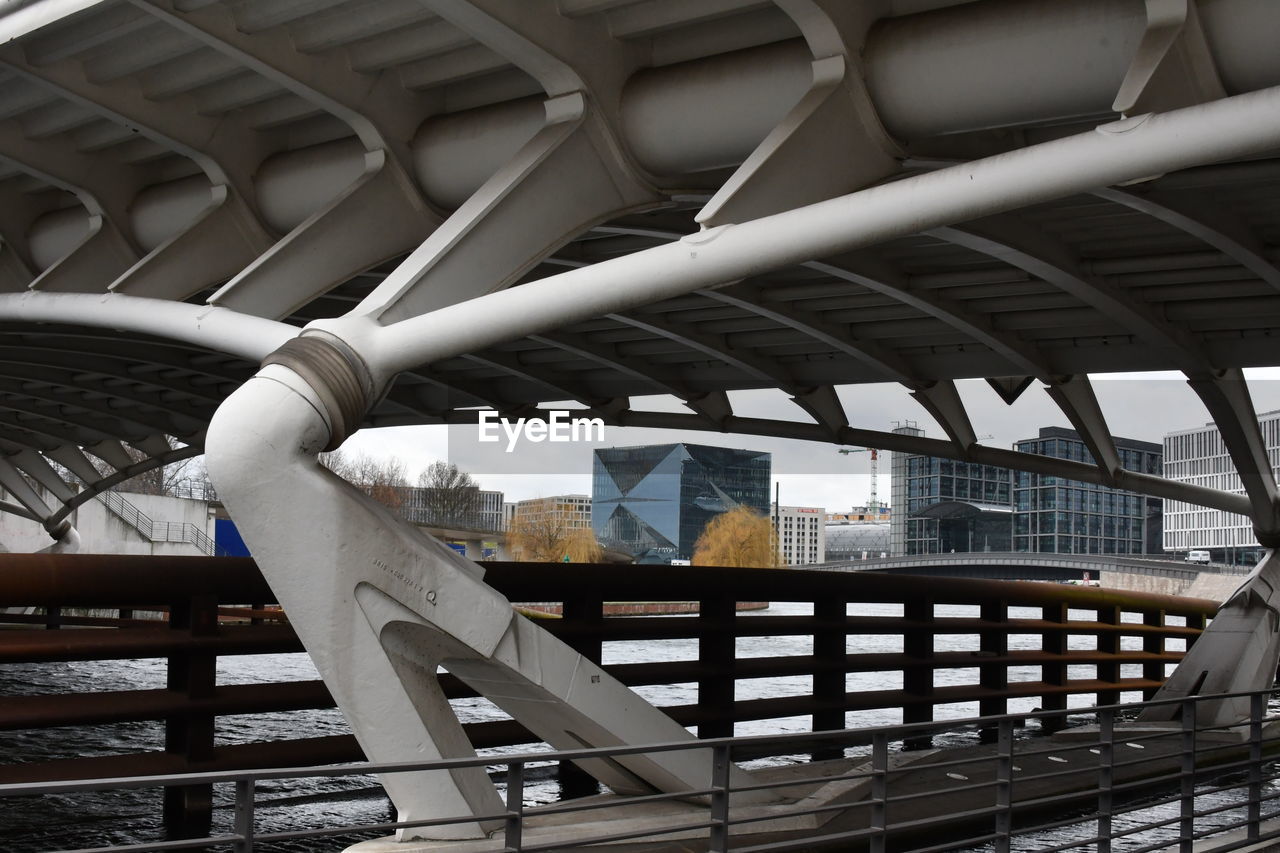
338 376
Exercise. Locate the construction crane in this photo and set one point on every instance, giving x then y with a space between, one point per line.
872 503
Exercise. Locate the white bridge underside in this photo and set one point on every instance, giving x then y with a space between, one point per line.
480 203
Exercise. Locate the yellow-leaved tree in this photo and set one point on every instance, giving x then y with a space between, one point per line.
740 537
550 539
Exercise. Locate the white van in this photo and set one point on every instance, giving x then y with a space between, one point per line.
1197 557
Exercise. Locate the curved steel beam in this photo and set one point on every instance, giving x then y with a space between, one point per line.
1146 484
879 278
13 392
718 347
104 184
1227 398
1007 240
119 368
96 488
837 336
554 381
218 329
1023 356
72 380
713 406
1215 227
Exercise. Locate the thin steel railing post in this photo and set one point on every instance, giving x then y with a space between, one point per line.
1004 787
1256 707
244 816
514 829
879 791
1187 818
1106 777
718 840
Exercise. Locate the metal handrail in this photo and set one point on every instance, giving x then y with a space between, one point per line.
157 531
996 816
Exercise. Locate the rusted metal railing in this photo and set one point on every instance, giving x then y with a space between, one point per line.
208 607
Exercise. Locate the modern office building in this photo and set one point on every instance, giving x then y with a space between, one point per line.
1056 516
653 501
941 505
567 511
802 534
440 508
1199 456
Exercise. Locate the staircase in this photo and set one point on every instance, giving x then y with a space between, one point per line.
157 531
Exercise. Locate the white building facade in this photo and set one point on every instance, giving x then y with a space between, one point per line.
802 534
1199 456
123 523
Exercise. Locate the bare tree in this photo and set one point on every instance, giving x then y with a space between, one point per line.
180 479
384 480
449 496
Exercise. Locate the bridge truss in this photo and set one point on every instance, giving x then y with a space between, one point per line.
411 209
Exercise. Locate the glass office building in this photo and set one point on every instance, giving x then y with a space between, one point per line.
1057 516
941 506
653 501
956 506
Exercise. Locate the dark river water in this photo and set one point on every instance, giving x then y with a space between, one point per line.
64 822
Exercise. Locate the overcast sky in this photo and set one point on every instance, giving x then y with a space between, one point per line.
1144 407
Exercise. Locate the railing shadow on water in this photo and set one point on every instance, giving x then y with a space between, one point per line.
1192 782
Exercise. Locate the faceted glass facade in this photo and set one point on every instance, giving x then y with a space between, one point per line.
1057 516
653 501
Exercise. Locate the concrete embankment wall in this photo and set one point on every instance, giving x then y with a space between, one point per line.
1210 585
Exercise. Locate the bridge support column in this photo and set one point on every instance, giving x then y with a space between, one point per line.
188 809
1054 642
994 676
380 606
1238 652
917 677
1110 644
830 641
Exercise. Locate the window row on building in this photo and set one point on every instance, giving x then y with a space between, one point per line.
942 506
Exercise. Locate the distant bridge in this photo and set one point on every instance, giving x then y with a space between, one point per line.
1126 572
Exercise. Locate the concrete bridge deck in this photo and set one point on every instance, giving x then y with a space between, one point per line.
1139 574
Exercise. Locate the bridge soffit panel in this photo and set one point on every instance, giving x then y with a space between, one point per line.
103 182
1204 220
557 382
572 172
226 148
878 277
714 407
830 143
15 275
140 419
1009 241
343 238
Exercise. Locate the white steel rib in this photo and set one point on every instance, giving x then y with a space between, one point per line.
357 191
